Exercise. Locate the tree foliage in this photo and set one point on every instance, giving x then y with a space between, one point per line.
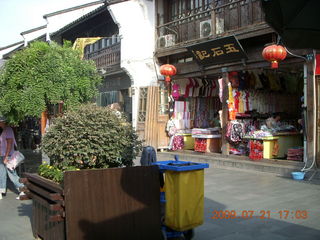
91 137
43 74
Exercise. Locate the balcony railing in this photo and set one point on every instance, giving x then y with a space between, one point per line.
107 59
219 19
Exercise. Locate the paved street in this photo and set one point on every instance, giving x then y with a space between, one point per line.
15 216
241 191
244 191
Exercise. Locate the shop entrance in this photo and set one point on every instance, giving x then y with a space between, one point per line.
264 109
265 117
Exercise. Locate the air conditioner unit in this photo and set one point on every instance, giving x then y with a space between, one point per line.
167 40
205 28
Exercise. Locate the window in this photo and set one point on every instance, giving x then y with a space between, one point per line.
163 99
182 8
143 94
107 98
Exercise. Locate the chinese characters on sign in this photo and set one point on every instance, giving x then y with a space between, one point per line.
218 51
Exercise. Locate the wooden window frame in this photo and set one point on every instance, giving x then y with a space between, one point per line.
143 95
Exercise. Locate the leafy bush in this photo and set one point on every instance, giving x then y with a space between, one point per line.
44 74
53 173
91 137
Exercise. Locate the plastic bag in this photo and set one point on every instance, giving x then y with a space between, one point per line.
15 160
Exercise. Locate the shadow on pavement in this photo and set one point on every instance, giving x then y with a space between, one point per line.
254 226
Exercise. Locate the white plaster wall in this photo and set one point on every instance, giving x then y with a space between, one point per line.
33 35
7 50
135 20
59 21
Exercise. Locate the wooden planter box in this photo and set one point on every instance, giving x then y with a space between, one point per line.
115 203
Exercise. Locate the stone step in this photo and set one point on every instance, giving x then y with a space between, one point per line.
279 167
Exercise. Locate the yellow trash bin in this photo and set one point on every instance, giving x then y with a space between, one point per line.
184 194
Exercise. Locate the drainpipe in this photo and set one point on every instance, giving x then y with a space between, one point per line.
314 121
314 110
305 112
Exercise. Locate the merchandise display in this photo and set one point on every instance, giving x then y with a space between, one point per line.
264 107
253 96
195 115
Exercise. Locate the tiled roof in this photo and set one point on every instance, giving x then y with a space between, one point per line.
81 19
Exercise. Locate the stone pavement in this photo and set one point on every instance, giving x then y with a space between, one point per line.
225 189
245 191
15 217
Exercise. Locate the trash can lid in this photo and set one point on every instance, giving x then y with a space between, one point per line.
180 166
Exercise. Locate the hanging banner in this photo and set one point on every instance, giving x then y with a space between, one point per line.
217 51
80 43
317 64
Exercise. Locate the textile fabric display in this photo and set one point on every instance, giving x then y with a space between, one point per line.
178 143
231 104
172 130
256 150
181 115
205 132
200 145
239 149
196 103
235 131
205 110
220 81
295 154
263 91
263 102
266 80
195 87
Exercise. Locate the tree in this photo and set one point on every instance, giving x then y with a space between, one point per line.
44 74
91 137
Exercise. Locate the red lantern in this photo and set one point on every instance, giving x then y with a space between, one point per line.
273 54
168 70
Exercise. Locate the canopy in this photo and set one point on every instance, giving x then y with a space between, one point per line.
296 21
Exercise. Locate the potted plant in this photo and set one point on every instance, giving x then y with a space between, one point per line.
96 195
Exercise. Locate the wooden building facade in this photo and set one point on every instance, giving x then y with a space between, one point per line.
181 24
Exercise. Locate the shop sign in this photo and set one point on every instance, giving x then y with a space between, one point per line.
227 49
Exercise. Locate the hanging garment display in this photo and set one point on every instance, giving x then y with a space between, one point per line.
234 79
175 91
181 114
220 81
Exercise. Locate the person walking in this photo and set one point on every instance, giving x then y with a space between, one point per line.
7 142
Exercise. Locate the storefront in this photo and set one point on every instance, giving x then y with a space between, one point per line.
234 108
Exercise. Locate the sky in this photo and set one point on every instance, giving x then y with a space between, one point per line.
17 16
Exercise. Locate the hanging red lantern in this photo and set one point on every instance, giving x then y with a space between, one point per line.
274 53
168 70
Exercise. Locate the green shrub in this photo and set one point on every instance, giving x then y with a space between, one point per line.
91 137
